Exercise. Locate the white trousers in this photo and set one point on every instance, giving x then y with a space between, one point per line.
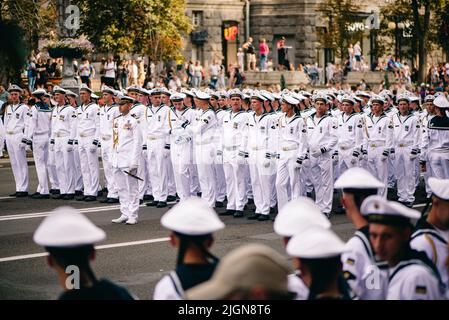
220 191
438 163
51 167
235 182
40 154
287 179
79 186
377 167
181 160
321 176
19 165
158 169
404 170
106 151
262 180
89 166
65 170
143 172
127 192
205 155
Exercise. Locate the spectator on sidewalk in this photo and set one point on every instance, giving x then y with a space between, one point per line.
109 72
358 56
84 71
174 83
197 74
214 71
241 58
263 51
250 54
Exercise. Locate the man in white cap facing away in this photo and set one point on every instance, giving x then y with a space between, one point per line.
435 145
69 238
192 223
410 274
250 272
126 157
359 260
88 132
296 216
317 252
14 122
431 233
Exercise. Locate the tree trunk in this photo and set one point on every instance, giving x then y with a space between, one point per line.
421 31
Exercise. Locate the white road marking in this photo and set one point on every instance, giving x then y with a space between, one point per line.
44 214
3 198
107 246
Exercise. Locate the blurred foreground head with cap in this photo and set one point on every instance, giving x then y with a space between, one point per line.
250 272
192 223
69 238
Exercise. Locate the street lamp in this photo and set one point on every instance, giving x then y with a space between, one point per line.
398 27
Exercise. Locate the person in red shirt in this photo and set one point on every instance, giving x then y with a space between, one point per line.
263 51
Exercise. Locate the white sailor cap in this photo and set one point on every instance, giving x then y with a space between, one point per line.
348 98
362 94
305 93
215 94
192 217
71 93
441 102
39 92
320 96
357 99
235 93
202 95
415 99
256 95
188 92
276 96
380 210
439 187
108 90
15 88
404 97
298 215
58 89
177 96
267 95
133 89
316 242
66 227
290 100
164 90
357 178
377 99
125 99
429 98
144 91
94 96
297 96
84 87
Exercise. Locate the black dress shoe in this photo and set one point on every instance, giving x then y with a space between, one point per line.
273 210
152 203
254 216
105 200
199 194
22 194
161 204
69 196
140 202
34 194
13 194
148 197
171 198
59 196
41 196
90 199
112 200
79 193
263 217
80 198
238 214
219 204
227 213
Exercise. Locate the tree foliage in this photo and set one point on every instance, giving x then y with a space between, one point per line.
340 14
150 27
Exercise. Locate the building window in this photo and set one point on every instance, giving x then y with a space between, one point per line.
197 18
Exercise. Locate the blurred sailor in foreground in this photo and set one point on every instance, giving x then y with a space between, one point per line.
69 238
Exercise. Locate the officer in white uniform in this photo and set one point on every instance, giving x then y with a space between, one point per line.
295 217
195 264
2 137
205 139
321 137
406 135
410 274
71 97
63 134
359 262
181 145
260 146
14 122
88 133
234 128
317 251
431 233
292 151
69 238
378 140
156 134
38 134
435 143
126 157
108 113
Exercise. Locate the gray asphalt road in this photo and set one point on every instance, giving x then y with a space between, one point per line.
138 256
